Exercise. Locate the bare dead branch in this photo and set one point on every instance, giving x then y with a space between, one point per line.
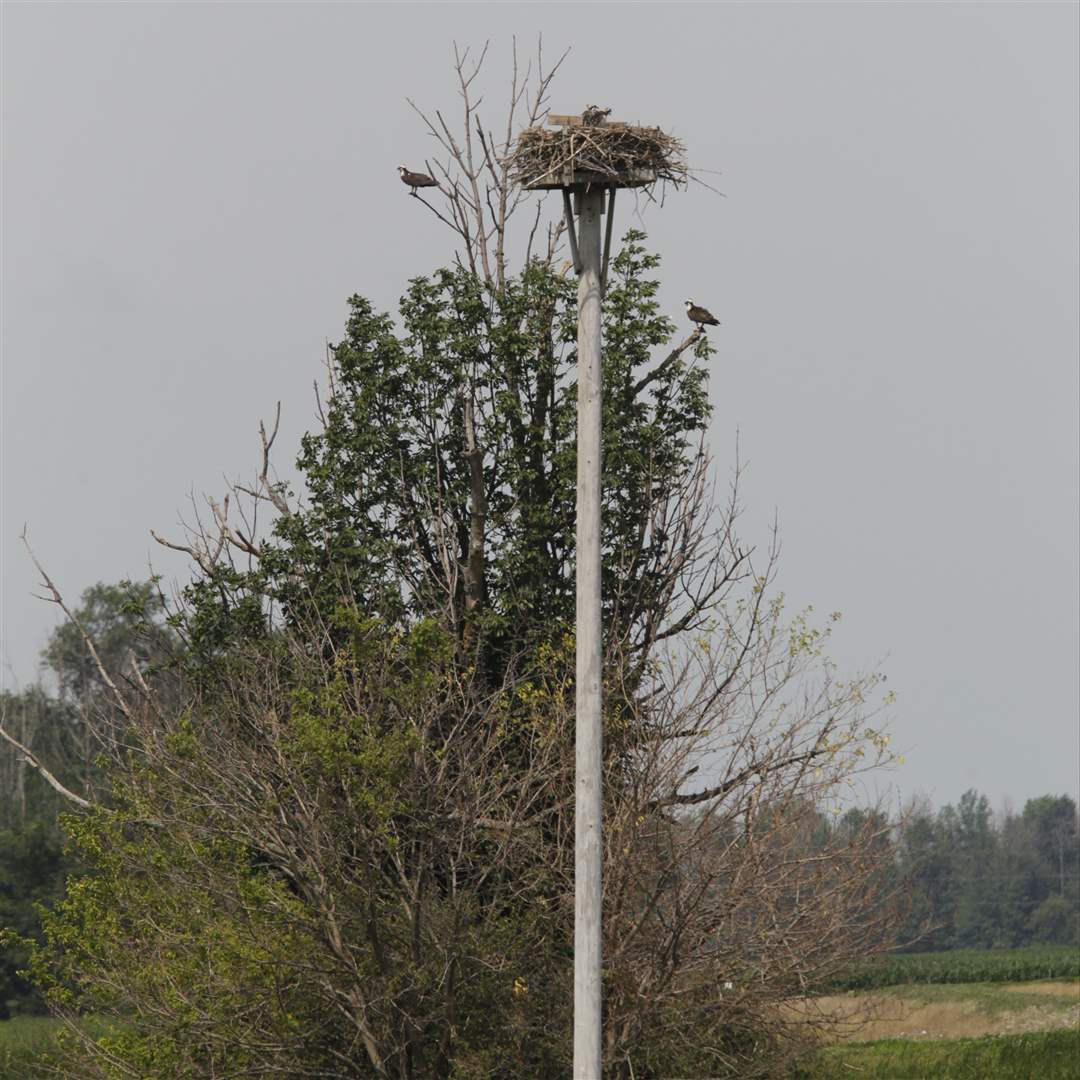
265 484
34 762
106 678
665 365
758 768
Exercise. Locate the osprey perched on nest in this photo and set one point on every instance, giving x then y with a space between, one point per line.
593 114
699 315
416 179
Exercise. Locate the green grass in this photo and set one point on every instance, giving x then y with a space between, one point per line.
1048 1055
24 1040
964 966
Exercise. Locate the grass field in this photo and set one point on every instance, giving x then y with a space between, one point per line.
953 1031
1042 1055
947 1011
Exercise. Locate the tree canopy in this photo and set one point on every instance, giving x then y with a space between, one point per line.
442 482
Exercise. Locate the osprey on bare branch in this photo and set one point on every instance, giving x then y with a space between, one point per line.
699 315
416 179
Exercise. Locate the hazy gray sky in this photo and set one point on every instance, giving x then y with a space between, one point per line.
191 191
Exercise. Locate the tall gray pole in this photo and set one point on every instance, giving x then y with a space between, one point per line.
589 736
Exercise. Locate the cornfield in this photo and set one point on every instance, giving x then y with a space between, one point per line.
965 966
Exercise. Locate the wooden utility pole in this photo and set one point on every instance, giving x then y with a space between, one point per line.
588 855
584 191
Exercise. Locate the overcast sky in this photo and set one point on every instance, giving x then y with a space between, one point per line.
191 191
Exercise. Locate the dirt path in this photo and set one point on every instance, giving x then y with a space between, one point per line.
952 1012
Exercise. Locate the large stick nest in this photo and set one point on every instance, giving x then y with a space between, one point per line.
616 152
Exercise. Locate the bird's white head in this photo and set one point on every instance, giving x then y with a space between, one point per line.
689 303
401 169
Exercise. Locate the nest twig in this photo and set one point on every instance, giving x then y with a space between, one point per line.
609 151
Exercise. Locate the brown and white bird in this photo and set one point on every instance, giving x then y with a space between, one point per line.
699 315
416 179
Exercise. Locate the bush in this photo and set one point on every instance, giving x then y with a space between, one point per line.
1056 921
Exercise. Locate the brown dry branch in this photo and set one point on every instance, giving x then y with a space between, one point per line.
474 173
31 759
270 489
208 544
119 699
723 902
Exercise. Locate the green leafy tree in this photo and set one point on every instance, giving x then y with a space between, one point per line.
126 623
52 728
67 730
1052 824
443 481
32 868
1055 922
32 872
971 834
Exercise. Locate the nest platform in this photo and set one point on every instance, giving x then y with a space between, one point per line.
576 152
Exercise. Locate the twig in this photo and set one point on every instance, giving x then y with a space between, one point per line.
32 760
74 620
670 359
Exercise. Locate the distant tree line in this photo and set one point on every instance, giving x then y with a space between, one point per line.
985 881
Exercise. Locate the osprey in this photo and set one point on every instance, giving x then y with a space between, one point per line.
699 315
416 179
